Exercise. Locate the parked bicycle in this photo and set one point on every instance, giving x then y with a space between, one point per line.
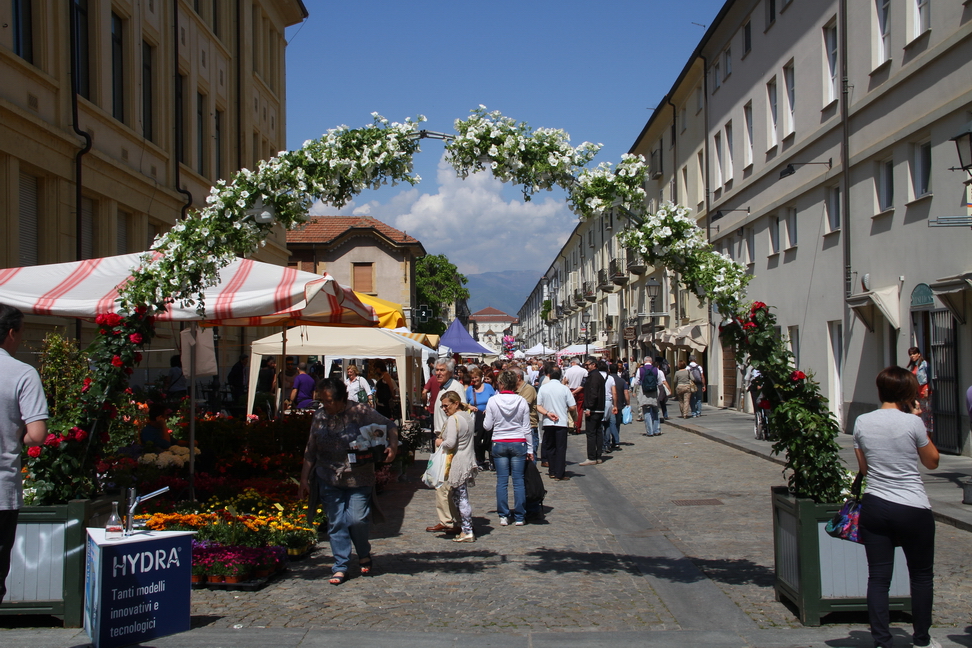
761 423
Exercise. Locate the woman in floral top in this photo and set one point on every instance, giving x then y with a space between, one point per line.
345 488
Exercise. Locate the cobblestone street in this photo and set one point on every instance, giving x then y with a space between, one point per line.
571 572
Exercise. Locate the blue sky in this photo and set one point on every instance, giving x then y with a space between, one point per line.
595 70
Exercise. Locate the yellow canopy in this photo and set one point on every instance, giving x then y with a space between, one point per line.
390 314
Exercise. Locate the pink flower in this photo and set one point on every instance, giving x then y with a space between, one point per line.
34 451
135 338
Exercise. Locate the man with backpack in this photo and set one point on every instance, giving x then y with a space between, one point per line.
652 381
698 377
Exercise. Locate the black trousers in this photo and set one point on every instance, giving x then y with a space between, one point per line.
8 532
555 449
595 436
884 526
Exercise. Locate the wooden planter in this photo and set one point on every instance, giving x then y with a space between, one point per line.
820 574
47 561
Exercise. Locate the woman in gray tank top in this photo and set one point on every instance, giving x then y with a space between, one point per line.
889 442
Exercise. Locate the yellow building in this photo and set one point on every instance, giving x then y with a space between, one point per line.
168 97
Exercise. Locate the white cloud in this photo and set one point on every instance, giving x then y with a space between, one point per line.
473 224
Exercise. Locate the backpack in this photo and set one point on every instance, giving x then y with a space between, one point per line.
535 492
649 380
696 373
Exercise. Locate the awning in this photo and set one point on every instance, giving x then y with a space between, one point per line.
390 314
952 292
868 304
693 336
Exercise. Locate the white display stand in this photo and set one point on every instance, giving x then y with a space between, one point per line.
137 588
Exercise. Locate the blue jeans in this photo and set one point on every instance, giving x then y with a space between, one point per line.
509 457
611 435
697 400
535 433
652 424
347 522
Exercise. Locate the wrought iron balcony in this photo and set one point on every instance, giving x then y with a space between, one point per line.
590 293
619 274
636 263
579 297
604 281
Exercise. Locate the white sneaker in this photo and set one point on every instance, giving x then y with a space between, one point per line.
519 523
504 521
463 537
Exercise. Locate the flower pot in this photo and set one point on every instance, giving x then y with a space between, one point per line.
233 579
198 578
216 578
820 574
262 573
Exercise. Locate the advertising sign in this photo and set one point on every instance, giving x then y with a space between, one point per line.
137 588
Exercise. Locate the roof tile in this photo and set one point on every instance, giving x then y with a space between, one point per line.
324 229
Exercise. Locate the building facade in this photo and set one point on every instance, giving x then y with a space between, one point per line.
824 134
489 325
117 117
361 252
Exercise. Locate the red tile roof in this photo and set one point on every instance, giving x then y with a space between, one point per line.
325 229
490 314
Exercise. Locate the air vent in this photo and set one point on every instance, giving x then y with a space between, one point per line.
33 103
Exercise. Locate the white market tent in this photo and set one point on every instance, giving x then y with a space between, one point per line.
347 343
579 349
540 350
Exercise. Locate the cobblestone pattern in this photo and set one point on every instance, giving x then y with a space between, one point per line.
565 574
733 543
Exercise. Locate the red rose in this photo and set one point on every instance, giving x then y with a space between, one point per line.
53 440
138 357
758 306
103 331
141 310
117 361
135 338
128 390
798 375
749 325
101 467
113 319
100 319
34 451
80 435
105 437
128 370
86 385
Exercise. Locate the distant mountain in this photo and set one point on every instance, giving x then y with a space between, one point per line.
503 290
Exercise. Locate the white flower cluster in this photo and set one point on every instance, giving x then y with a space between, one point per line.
600 188
535 159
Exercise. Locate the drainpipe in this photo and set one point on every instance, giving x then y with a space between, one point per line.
175 76
674 151
239 87
78 166
844 152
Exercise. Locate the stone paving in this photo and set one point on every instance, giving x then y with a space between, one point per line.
566 574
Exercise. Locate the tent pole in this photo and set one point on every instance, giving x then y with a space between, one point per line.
280 372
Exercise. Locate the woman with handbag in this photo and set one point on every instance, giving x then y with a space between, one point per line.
358 388
478 394
889 442
346 487
457 441
684 388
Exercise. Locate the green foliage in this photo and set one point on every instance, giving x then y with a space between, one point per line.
545 309
438 283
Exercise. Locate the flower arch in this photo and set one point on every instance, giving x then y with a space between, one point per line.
344 162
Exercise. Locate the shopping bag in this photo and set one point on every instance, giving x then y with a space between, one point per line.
626 417
844 524
435 471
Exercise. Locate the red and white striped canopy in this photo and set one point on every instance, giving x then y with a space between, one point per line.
249 293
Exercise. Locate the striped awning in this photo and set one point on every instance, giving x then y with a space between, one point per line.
249 293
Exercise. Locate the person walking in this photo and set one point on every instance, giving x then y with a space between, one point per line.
623 392
23 422
445 508
698 378
238 378
555 403
574 376
508 416
636 391
358 388
653 384
458 442
889 442
684 386
529 394
594 402
478 394
663 366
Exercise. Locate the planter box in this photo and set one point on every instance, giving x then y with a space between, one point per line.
820 574
47 561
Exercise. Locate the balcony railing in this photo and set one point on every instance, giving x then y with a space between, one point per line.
604 281
579 297
619 274
590 294
636 263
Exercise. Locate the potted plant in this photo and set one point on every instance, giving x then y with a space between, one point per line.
817 573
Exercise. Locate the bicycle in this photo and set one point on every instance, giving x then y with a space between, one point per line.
761 425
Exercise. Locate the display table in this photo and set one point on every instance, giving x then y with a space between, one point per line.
137 588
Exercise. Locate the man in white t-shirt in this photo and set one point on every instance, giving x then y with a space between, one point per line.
575 376
555 403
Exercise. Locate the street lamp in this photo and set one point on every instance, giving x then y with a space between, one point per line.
586 318
790 170
653 288
963 142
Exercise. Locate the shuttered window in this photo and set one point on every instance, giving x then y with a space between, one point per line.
29 214
363 277
87 228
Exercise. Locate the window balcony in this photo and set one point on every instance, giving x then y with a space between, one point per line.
604 282
636 263
618 272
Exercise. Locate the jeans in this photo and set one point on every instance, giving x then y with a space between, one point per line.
610 430
884 525
510 458
347 522
535 433
652 424
595 437
697 400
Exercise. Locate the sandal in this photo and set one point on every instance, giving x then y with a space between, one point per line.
366 567
337 578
